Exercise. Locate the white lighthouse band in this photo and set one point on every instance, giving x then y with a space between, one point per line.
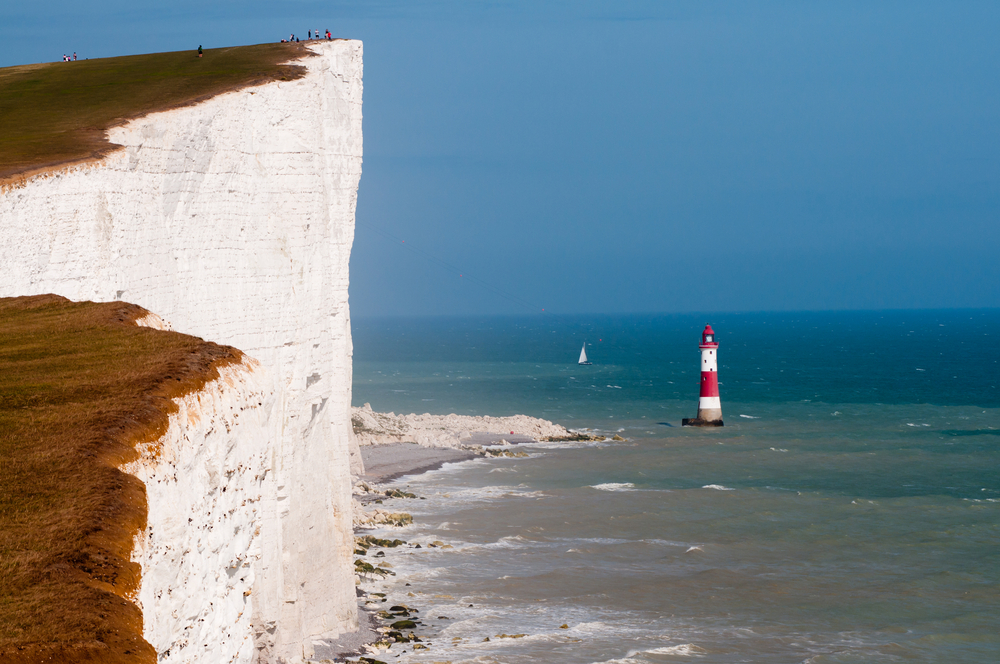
708 360
710 403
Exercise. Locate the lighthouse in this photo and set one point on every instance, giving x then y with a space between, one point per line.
709 406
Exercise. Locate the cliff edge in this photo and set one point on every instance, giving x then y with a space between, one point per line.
81 387
233 219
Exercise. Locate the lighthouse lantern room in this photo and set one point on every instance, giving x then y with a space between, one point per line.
709 405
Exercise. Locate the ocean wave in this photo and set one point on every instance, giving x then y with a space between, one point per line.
594 627
486 493
684 649
614 486
616 541
778 449
717 487
509 542
565 444
749 417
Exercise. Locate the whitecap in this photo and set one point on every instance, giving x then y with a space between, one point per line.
509 542
486 493
596 627
684 649
614 486
749 417
694 548
778 449
717 487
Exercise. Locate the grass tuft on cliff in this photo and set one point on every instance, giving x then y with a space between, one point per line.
80 386
57 113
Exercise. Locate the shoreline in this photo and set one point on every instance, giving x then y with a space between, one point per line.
385 463
392 446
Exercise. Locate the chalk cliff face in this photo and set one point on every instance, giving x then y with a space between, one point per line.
207 484
233 220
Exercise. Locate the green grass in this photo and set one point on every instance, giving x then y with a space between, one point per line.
56 113
80 386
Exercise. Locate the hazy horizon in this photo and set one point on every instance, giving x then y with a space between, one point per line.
645 157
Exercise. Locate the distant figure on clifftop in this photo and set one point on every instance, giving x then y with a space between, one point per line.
310 34
200 52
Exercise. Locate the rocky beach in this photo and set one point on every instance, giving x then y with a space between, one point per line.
398 446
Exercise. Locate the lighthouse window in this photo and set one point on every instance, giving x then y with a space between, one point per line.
708 338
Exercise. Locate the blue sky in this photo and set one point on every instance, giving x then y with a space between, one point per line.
638 156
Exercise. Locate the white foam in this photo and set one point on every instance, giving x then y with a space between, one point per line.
717 487
749 417
464 496
684 649
614 486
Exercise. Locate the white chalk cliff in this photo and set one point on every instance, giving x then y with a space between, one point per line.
207 486
233 220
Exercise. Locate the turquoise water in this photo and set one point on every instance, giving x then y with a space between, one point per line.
848 512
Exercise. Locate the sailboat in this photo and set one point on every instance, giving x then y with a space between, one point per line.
583 355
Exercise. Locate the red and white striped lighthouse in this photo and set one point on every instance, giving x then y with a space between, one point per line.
709 405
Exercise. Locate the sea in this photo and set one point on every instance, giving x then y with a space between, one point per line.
847 512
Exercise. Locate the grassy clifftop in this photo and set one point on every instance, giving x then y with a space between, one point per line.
80 385
57 113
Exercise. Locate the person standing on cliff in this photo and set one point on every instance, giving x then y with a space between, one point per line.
199 51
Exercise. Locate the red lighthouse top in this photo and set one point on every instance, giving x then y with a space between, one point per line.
708 338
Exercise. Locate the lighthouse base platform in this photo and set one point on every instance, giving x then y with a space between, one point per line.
698 422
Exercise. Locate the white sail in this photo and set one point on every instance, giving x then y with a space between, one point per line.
583 353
